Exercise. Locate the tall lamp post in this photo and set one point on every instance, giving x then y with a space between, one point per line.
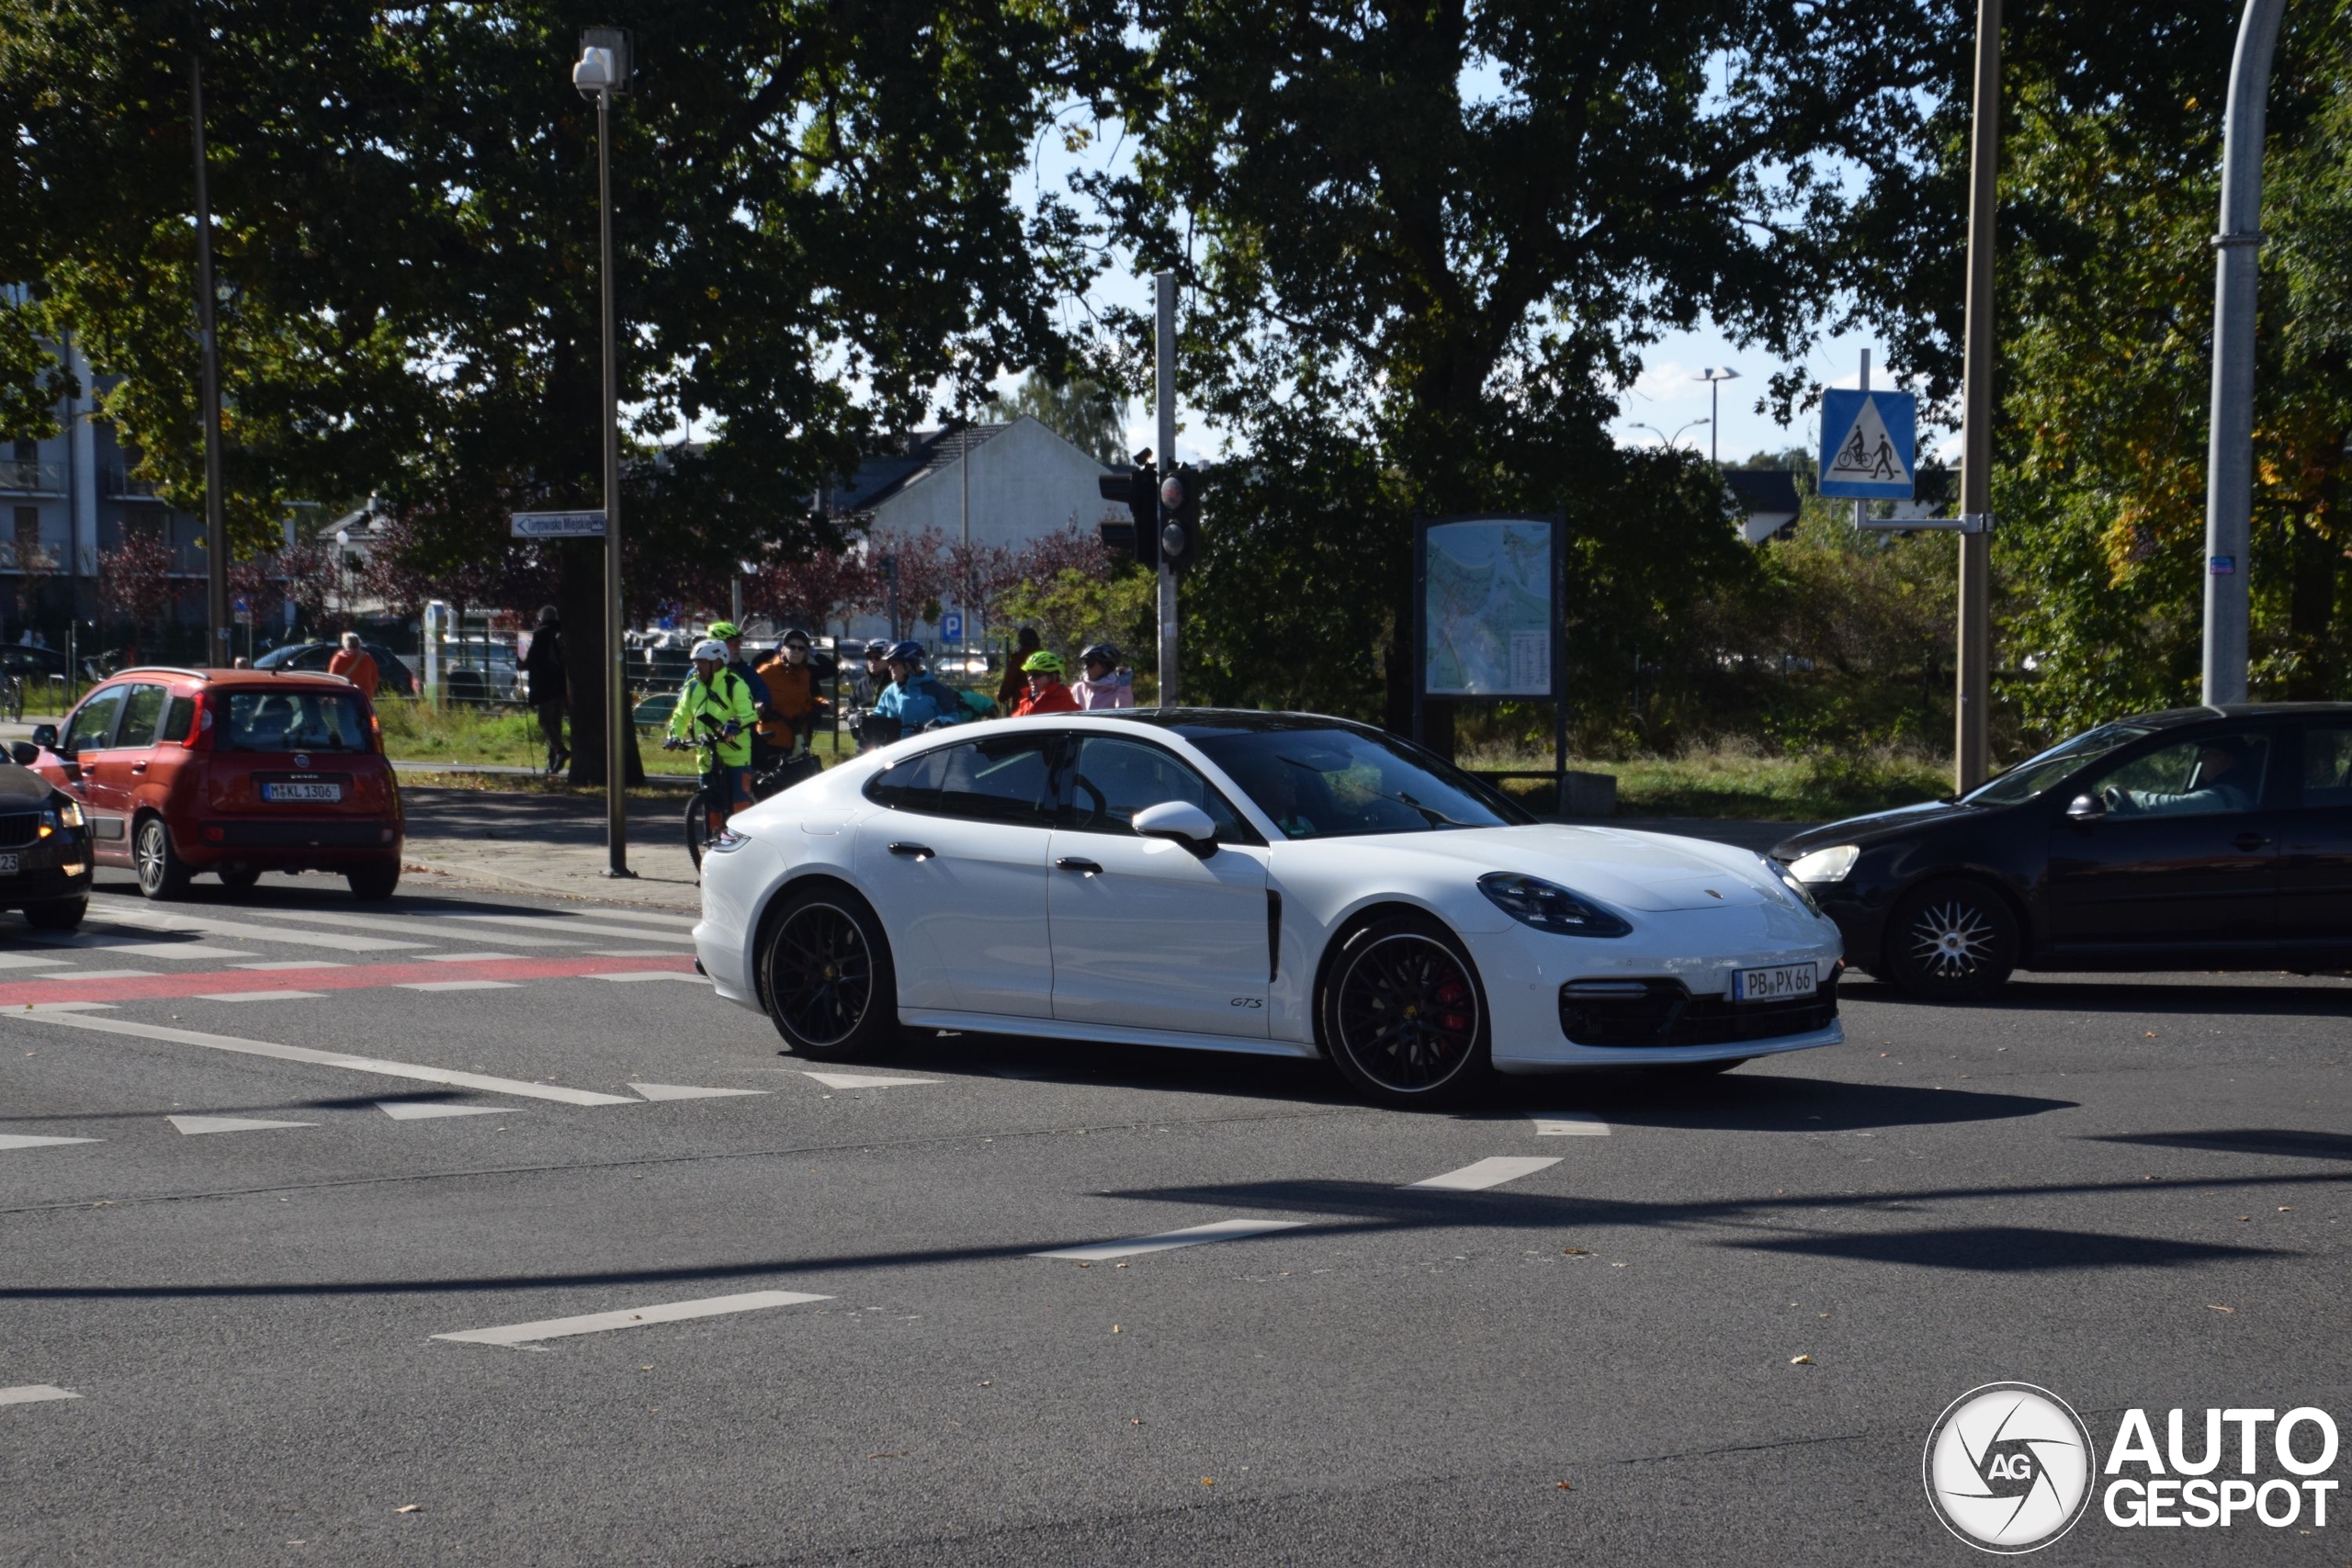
215 529
1715 375
602 72
1669 442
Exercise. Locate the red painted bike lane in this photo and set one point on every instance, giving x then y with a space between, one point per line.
354 977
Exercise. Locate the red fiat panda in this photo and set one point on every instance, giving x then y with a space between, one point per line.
233 771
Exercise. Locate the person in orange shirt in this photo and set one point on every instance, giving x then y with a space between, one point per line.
355 664
1048 693
796 707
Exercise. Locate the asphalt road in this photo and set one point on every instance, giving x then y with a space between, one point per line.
2128 1190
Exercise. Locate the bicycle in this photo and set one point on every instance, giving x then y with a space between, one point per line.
775 777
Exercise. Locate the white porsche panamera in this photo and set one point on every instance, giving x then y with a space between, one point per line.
1244 881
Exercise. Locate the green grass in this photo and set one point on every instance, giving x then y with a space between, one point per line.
1732 782
414 732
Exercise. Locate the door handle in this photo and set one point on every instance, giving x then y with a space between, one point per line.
912 852
138 767
2249 842
1073 862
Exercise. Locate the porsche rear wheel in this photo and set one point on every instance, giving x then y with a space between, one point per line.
1401 1015
826 975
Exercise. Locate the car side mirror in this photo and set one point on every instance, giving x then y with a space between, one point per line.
24 753
1180 820
2085 809
45 734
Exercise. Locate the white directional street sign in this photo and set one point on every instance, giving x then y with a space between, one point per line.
1867 441
557 525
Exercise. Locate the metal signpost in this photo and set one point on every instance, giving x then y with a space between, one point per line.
603 70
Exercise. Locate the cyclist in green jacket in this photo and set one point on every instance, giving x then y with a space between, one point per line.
714 716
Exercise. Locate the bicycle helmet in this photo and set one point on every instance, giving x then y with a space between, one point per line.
1042 663
710 649
723 630
1099 653
904 653
796 635
877 649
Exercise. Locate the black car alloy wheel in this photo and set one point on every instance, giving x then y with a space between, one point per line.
820 975
1404 1012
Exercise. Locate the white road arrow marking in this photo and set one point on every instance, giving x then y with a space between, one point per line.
34 1393
864 1080
687 1091
523 1334
412 1110
1570 1125
1486 1173
193 1126
1223 1230
28 1141
72 1016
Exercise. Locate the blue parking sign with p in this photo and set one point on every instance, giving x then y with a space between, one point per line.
950 626
1867 441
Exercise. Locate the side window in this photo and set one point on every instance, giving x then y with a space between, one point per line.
93 722
177 719
2327 766
140 713
913 786
2209 775
1115 779
1005 778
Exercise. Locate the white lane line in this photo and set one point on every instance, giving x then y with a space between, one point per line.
685 923
571 924
410 1110
519 1334
72 1016
100 975
255 995
863 1080
133 947
458 986
1486 1173
419 926
1223 1230
28 1141
632 952
628 975
291 963
687 1092
206 925
26 961
34 1393
1569 1124
466 957
193 1126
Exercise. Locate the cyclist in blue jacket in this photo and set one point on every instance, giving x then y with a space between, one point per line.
915 697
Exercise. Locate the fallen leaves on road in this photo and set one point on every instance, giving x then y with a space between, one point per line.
1800 1360
2210 1306
410 1508
2244 1218
2286 1209
1574 1252
1115 1329
1208 1479
1563 1486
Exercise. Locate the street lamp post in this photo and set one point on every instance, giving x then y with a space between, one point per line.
1666 442
215 529
603 70
1715 375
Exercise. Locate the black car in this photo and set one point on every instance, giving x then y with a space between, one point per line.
2211 838
392 674
44 847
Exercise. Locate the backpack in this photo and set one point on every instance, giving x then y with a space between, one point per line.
978 705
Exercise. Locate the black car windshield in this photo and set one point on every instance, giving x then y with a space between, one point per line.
1335 783
295 721
2035 774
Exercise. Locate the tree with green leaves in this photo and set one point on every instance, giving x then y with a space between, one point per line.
1081 410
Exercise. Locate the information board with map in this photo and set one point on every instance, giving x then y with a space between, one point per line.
1489 625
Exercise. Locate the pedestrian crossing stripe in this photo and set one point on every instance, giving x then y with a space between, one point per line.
1867 443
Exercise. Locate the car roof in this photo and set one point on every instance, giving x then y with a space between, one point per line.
2172 718
273 679
1197 721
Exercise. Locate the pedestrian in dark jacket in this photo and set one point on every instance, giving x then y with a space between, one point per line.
544 666
1014 685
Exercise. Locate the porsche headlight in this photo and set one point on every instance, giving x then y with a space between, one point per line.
1789 880
1825 865
1547 906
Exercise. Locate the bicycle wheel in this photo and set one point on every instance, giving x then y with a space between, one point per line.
698 827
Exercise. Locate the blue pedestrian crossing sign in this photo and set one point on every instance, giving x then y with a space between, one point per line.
1867 443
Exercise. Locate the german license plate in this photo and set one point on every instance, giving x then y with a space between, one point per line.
1776 984
301 792
9 865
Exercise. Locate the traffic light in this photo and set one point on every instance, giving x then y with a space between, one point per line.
1179 517
1138 490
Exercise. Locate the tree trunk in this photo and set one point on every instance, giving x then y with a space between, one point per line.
581 597
2310 610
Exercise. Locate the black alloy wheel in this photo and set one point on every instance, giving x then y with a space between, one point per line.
162 872
1949 939
1402 1016
826 975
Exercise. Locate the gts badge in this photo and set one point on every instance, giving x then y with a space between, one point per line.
1248 1002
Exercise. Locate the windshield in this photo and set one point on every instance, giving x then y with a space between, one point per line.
2035 774
295 721
1330 783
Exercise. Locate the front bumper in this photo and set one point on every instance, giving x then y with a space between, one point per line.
48 870
1524 970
